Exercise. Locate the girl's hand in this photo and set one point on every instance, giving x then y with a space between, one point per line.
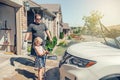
47 52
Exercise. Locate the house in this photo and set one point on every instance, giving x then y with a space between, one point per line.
16 15
66 29
12 19
55 9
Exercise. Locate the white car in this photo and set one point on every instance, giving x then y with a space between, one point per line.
90 61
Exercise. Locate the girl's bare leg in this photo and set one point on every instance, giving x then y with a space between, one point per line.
40 74
43 70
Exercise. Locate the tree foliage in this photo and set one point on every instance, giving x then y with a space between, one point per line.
92 21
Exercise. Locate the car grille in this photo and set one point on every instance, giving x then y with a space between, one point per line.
65 57
67 78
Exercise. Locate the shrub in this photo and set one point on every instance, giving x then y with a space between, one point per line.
29 49
50 45
61 35
63 43
54 40
69 37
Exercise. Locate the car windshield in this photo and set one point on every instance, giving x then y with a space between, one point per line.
114 42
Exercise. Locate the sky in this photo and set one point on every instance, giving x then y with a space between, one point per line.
74 10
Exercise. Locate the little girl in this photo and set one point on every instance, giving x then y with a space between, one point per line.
40 58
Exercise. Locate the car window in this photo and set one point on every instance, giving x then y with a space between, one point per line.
118 38
114 42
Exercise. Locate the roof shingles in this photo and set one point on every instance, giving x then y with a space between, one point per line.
66 26
52 7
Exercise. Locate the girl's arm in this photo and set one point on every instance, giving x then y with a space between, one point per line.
40 53
45 51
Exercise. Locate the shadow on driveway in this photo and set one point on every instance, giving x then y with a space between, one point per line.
53 74
27 74
22 60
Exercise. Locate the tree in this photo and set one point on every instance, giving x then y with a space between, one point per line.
92 21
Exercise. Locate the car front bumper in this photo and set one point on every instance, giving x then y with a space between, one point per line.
69 72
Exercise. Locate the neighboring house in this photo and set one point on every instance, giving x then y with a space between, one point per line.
12 20
55 9
66 29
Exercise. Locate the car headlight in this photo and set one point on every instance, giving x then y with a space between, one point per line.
77 61
80 62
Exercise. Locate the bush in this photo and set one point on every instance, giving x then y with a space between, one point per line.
63 43
69 37
54 40
29 49
50 45
61 35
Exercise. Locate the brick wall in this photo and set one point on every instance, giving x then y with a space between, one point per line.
23 18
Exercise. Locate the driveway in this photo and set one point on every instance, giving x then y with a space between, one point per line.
25 69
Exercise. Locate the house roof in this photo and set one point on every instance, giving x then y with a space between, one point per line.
33 4
52 7
12 3
66 26
38 6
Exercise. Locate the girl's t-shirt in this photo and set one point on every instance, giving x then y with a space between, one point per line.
41 49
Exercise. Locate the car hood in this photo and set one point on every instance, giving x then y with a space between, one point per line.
92 49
